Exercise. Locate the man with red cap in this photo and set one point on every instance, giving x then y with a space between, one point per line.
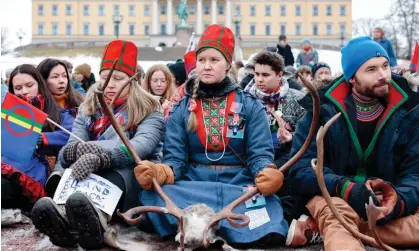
218 145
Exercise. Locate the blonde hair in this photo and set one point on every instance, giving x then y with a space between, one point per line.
169 78
139 104
193 121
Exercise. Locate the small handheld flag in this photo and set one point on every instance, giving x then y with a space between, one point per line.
414 63
21 125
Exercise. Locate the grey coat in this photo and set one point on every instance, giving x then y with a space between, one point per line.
308 59
146 142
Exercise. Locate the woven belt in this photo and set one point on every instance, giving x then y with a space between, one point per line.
222 167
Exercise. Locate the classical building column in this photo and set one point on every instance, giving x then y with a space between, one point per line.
169 17
228 14
199 19
213 11
156 15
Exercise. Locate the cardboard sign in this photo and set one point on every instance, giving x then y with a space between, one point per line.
257 217
101 192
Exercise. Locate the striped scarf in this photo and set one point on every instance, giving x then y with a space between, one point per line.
100 122
367 109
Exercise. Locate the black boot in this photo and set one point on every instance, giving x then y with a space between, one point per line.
89 221
50 219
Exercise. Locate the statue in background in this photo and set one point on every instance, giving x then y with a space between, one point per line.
182 12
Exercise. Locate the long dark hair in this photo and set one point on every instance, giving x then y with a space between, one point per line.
45 67
50 107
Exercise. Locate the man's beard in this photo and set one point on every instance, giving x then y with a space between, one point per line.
372 92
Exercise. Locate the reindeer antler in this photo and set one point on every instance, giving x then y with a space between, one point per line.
317 165
226 213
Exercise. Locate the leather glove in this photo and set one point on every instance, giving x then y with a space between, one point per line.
147 170
356 195
269 180
89 163
392 203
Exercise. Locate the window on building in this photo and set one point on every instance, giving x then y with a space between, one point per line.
343 10
237 29
253 29
101 10
54 30
267 29
147 29
192 9
298 29
40 28
146 10
237 10
298 10
68 29
329 31
116 10
315 10
220 9
85 29
252 10
131 11
86 10
163 9
206 9
40 9
342 29
283 10
267 10
329 10
163 29
68 10
315 29
55 10
101 29
283 30
131 29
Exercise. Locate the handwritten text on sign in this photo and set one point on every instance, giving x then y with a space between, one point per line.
101 192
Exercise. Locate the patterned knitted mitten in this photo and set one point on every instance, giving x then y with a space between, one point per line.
88 147
70 152
90 163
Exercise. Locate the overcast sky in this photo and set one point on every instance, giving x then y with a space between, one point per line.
16 14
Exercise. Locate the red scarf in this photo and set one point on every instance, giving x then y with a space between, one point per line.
38 101
102 122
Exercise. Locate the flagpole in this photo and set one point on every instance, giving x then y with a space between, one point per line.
65 130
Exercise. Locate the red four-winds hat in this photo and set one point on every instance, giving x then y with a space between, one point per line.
220 38
190 61
126 53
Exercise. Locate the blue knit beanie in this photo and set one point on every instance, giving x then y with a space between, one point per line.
357 51
306 40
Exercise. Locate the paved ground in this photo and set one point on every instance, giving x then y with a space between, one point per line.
24 237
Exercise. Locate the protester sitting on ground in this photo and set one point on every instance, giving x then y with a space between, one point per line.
69 67
370 155
57 79
23 184
308 56
237 65
103 153
83 76
213 166
159 81
8 72
379 37
273 90
249 73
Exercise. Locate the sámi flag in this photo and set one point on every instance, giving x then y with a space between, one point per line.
21 126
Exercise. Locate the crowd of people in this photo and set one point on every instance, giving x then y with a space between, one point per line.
206 127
